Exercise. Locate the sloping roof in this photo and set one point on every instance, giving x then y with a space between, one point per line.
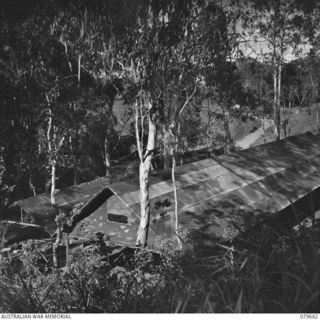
40 209
261 168
12 231
231 190
214 195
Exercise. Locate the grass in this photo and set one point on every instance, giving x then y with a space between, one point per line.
261 272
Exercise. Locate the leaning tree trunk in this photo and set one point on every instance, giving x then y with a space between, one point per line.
144 170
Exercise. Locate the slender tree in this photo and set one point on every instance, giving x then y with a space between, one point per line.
279 24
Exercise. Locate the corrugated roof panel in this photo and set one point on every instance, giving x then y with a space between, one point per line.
194 166
182 181
200 192
230 173
246 167
237 208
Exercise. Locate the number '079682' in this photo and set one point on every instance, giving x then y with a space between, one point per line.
308 316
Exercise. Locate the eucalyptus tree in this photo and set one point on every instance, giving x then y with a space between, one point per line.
168 54
278 24
155 63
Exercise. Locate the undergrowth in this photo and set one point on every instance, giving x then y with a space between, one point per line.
272 273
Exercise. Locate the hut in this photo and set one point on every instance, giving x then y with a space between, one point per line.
217 197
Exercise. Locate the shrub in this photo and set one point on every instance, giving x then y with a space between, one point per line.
262 272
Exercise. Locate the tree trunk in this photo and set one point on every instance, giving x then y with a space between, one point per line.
175 193
179 146
228 140
144 204
275 104
53 148
110 126
75 171
144 170
32 187
279 101
19 175
67 251
75 150
166 148
53 182
107 161
57 241
208 129
317 119
53 203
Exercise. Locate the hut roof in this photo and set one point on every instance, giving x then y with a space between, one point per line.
283 171
12 231
228 192
215 195
41 210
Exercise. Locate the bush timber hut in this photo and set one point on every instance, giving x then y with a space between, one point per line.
217 197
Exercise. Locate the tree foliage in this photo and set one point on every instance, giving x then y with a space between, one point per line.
65 65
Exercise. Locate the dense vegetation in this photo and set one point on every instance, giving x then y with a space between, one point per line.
118 88
266 272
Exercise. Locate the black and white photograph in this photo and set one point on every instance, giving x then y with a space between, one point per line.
159 156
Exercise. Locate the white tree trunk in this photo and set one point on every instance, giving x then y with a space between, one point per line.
275 104
175 195
144 205
107 160
279 100
53 182
166 148
144 170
